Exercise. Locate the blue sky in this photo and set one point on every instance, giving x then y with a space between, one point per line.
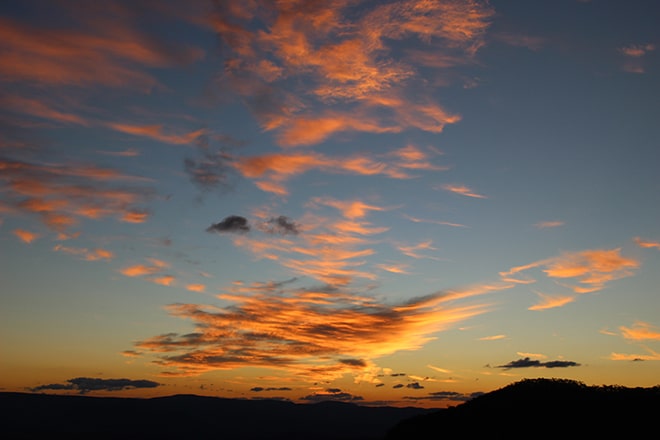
357 200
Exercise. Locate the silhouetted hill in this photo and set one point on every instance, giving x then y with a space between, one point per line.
542 408
26 415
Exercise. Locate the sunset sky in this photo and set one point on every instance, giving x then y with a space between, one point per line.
386 202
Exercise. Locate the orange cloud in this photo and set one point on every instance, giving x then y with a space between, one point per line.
351 209
462 190
436 222
329 249
25 236
309 131
551 301
641 331
634 57
196 287
156 132
345 59
412 251
86 254
493 338
41 109
270 171
136 270
308 333
164 280
647 244
592 269
651 356
63 194
104 46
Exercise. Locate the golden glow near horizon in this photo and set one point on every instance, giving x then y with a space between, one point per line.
385 202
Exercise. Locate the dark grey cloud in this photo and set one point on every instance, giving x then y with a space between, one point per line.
233 223
259 389
415 386
332 394
87 384
353 362
212 168
452 396
397 374
380 385
398 386
281 225
533 363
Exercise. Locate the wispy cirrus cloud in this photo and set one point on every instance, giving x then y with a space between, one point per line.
413 250
549 224
310 333
349 63
461 190
62 194
591 270
492 338
331 249
96 50
271 171
86 254
641 331
157 132
551 301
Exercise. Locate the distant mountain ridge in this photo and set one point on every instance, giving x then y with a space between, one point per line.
27 415
542 408
539 408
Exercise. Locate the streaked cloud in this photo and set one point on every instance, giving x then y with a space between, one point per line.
309 333
641 331
435 222
86 254
462 190
549 224
62 194
591 269
157 132
413 250
347 61
492 338
92 50
650 355
271 171
551 301
438 369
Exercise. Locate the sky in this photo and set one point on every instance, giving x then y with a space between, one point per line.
385 202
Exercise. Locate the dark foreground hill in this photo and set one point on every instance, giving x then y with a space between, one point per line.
546 409
24 416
